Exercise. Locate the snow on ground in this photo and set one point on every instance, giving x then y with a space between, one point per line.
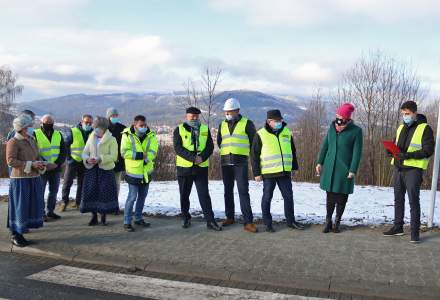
369 205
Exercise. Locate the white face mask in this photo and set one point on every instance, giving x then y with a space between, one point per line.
229 117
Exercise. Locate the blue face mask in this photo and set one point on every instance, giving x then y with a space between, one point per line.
99 132
408 120
115 120
142 130
86 127
30 130
278 125
194 124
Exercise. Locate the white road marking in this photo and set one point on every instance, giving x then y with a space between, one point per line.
148 287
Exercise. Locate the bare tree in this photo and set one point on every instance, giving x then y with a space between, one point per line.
210 80
9 90
204 96
308 134
192 97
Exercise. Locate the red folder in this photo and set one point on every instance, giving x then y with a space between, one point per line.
391 147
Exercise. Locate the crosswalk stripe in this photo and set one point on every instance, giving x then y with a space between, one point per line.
148 287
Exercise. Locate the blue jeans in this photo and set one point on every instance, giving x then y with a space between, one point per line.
285 185
136 193
53 178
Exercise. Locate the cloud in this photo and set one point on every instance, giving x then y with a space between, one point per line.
311 12
90 57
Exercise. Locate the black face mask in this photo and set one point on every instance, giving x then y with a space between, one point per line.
47 127
341 122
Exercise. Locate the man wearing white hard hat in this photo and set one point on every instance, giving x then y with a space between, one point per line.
235 135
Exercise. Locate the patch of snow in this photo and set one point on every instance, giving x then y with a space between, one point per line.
369 205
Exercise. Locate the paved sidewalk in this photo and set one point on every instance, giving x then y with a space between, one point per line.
357 261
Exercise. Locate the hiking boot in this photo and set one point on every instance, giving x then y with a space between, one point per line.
45 218
394 231
128 228
251 227
213 226
228 222
63 207
142 223
74 206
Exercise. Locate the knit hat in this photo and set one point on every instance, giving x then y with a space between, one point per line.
274 114
345 110
111 111
193 110
21 122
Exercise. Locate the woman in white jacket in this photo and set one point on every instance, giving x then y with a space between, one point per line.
99 194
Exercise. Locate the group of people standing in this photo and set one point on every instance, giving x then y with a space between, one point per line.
99 151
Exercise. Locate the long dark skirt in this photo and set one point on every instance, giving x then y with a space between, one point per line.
26 204
99 192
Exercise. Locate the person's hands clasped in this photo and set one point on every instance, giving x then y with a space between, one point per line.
39 165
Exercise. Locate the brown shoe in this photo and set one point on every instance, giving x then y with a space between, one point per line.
74 205
251 227
228 222
63 207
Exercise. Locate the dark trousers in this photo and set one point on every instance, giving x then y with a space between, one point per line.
407 181
285 185
53 179
237 173
185 186
337 200
73 170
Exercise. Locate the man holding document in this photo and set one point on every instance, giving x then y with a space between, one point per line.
415 144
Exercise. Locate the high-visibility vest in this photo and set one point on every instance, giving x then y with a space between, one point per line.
49 150
131 144
77 147
187 143
276 151
237 142
414 145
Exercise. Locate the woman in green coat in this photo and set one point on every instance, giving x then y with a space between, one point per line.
338 163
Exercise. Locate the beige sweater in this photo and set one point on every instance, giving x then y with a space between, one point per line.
105 149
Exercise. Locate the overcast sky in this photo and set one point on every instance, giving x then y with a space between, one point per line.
60 47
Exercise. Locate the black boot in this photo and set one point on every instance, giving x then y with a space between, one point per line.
94 220
328 225
18 240
186 223
104 220
337 228
213 226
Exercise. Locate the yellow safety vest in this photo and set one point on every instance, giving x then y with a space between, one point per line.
77 147
130 145
188 144
414 145
49 150
276 152
237 142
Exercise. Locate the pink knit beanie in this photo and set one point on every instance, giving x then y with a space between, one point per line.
345 110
